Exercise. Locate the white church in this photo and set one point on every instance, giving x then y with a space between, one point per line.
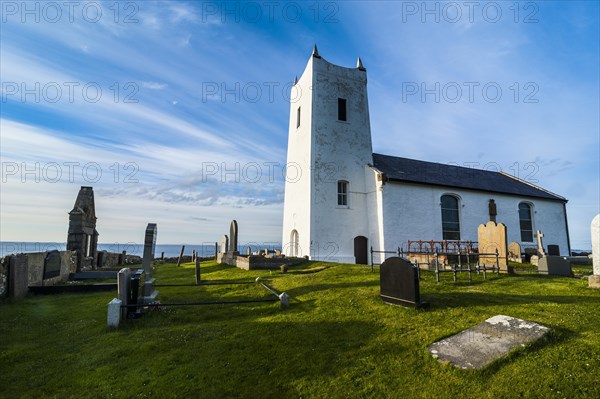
345 199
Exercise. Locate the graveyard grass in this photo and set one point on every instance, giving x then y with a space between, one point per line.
337 339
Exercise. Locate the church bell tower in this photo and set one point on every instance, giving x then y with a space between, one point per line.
329 150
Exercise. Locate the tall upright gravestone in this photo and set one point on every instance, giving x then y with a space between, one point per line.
149 293
594 280
491 237
233 236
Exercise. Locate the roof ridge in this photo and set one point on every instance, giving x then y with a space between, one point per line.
532 185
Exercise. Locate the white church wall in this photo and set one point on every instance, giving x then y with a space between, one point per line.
375 213
296 214
413 212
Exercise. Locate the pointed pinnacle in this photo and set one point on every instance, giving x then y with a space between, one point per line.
315 52
359 65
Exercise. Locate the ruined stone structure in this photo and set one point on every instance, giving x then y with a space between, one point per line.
83 236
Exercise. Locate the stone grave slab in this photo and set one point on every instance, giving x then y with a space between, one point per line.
479 346
554 266
399 283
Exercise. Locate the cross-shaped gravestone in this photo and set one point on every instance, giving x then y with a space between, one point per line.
540 248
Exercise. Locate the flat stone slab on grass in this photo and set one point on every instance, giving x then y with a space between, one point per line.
479 346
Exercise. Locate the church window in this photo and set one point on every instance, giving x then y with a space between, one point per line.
342 193
294 243
450 218
298 118
341 109
525 222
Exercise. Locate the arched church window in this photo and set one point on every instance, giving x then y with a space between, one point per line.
450 218
525 222
294 243
342 193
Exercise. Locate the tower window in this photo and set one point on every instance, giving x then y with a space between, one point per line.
450 218
298 118
525 222
342 193
341 109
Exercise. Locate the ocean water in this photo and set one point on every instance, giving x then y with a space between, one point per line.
170 250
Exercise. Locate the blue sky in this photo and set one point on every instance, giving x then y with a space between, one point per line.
176 112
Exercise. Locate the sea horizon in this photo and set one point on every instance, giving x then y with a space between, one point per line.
170 250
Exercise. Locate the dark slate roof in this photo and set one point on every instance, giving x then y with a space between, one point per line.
422 172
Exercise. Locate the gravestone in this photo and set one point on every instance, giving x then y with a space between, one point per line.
224 244
233 236
180 255
491 237
554 266
479 346
540 244
594 280
52 264
18 278
216 250
514 252
123 288
553 250
248 251
534 260
148 291
113 317
399 283
193 255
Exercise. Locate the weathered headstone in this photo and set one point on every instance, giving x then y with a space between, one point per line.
594 280
514 252
149 293
479 346
216 250
553 250
491 237
233 236
224 244
123 289
554 266
52 264
180 255
248 251
198 276
162 255
82 235
149 247
193 255
399 283
540 243
113 318
18 279
534 260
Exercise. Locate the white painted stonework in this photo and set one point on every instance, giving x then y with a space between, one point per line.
323 150
596 244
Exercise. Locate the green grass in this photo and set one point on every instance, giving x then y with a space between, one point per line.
337 339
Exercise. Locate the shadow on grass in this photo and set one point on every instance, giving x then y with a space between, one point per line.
464 299
298 291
